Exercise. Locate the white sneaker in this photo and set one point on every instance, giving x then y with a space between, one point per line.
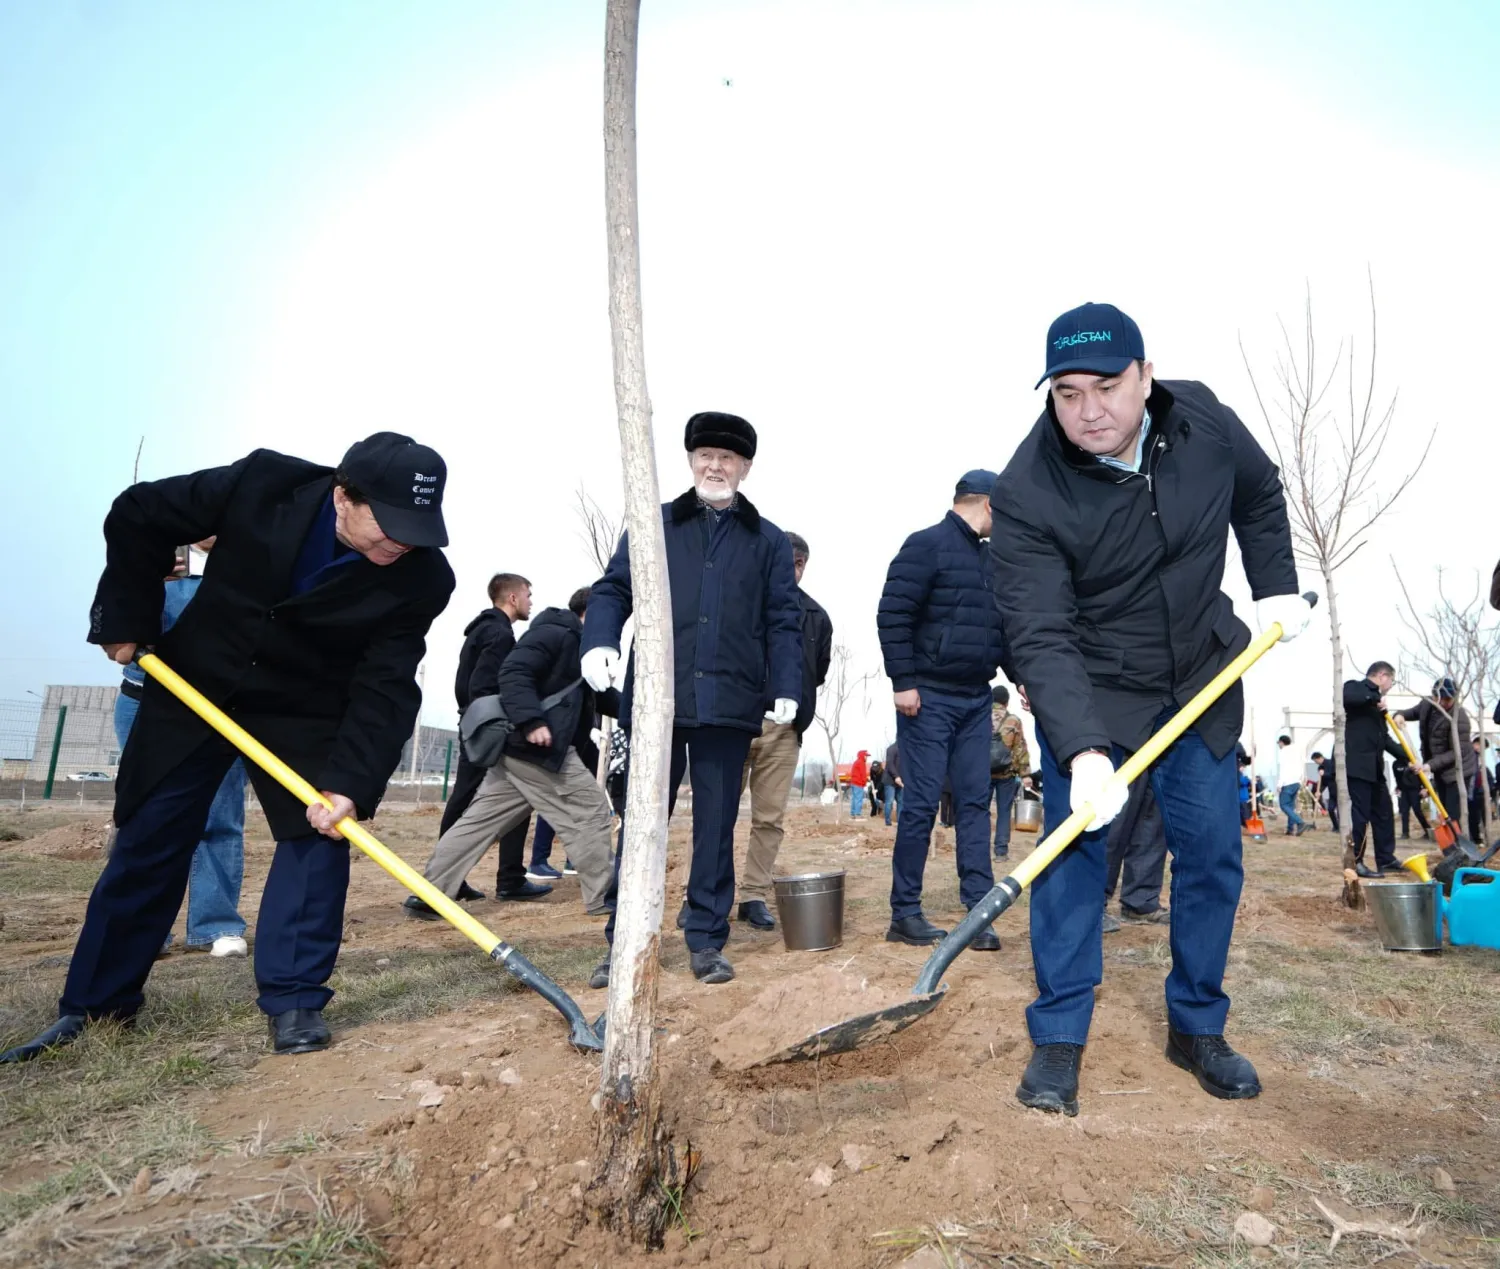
229 945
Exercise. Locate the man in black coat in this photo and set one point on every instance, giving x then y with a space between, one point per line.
307 631
737 653
1111 526
1367 739
941 639
773 754
488 640
540 769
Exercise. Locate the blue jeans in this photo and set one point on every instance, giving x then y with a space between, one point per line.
218 868
1286 799
948 739
541 842
1005 789
892 801
1198 795
140 891
856 801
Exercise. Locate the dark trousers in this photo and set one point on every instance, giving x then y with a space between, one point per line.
512 871
1005 789
1198 797
140 891
1333 808
1370 804
714 761
1411 804
948 740
541 842
1137 849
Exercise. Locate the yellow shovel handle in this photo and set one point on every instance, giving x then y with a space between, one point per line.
1437 802
300 788
1136 765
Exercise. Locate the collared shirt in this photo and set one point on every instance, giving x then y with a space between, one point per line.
322 552
1140 449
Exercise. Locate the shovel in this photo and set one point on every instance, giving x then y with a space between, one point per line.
928 992
1448 833
581 1034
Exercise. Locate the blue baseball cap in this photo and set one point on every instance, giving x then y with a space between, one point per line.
1092 339
977 480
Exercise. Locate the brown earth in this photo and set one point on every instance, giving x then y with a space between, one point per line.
860 1158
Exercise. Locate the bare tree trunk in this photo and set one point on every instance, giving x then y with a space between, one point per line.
636 1160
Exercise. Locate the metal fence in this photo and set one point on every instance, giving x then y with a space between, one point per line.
59 747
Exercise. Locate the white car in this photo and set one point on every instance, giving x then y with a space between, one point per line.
82 776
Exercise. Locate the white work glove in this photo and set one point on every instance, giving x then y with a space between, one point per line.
784 711
599 666
1090 771
1292 611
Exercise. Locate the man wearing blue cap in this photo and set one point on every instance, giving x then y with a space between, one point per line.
941 639
1115 513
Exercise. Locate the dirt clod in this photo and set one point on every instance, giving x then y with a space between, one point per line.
142 1182
1262 1199
1442 1182
1254 1229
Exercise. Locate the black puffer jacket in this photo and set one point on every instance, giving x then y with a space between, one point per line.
488 640
1109 582
544 662
939 626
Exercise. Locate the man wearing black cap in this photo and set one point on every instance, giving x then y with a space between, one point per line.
941 639
1115 513
307 631
737 653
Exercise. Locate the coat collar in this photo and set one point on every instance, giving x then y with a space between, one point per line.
964 526
688 506
1159 403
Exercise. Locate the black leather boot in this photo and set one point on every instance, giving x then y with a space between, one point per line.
917 930
709 966
754 912
600 977
1221 1072
64 1031
1050 1081
299 1031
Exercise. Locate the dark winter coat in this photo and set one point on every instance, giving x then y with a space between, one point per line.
892 771
1423 713
544 662
488 640
1366 735
817 656
1442 760
325 679
736 620
1109 582
938 623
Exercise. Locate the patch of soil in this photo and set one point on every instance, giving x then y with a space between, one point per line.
81 839
796 1008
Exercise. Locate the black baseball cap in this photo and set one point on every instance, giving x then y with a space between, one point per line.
976 481
403 483
1092 339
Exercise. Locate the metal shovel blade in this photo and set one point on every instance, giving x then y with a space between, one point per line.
853 1033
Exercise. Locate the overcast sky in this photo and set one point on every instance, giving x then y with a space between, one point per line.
283 224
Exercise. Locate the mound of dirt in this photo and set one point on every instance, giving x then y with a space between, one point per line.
82 839
794 1009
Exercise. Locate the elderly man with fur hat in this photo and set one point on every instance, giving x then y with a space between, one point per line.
737 651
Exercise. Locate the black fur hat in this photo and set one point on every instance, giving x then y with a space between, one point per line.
719 431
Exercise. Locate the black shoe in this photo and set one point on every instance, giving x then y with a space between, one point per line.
755 912
1361 871
985 941
64 1031
299 1031
1002 854
709 966
1302 828
526 890
915 930
600 977
682 916
419 908
467 893
1050 1082
1220 1070
1406 837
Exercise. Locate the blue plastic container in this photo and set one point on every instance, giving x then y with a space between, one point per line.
1473 909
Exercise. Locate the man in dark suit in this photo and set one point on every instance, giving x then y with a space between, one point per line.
1367 739
307 631
737 655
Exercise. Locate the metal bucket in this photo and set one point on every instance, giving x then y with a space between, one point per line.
1408 915
811 907
1026 814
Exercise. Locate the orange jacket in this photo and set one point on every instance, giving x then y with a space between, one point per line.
859 773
